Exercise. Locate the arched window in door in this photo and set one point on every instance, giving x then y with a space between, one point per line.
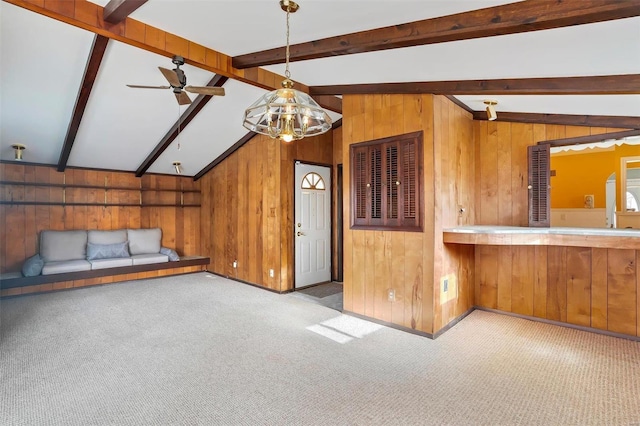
313 181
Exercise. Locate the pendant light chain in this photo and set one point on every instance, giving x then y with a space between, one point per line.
286 72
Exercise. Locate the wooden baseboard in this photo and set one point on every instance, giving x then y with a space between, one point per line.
561 324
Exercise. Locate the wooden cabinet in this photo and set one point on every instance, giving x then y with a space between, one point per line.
386 177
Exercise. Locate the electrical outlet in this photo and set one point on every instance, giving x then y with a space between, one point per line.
391 295
271 273
235 264
445 285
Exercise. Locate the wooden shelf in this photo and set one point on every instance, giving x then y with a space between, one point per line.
106 188
47 203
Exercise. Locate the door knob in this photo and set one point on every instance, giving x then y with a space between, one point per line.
300 234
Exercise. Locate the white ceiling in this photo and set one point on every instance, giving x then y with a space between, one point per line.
42 62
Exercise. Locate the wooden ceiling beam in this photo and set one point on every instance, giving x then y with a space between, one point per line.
621 122
89 16
590 85
512 18
194 108
117 11
90 73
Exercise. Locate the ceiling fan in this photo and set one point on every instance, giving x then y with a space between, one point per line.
178 80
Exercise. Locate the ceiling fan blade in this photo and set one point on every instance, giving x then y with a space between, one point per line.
183 98
171 76
205 90
136 86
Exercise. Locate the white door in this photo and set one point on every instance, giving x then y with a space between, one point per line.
312 227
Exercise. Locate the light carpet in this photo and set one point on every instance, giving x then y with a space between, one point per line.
198 350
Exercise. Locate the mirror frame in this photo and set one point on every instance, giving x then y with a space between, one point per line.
623 180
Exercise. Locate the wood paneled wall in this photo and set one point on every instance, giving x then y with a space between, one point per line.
411 263
454 174
20 225
501 166
247 209
590 287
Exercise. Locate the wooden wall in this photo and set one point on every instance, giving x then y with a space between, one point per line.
591 287
454 174
247 209
411 262
501 166
20 224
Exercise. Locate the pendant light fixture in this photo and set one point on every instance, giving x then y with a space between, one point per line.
287 113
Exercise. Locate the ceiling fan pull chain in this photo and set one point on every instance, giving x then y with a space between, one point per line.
179 146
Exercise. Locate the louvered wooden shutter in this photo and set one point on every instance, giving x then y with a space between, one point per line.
409 180
539 182
386 176
375 156
361 179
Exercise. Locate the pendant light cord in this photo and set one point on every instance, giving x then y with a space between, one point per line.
286 72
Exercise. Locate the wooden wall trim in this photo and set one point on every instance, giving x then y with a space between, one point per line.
233 148
591 138
622 122
593 85
560 324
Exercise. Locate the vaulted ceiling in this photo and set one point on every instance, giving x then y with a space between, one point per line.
64 94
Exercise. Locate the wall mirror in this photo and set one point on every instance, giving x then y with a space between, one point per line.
596 185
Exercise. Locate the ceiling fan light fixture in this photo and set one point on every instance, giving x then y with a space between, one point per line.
287 114
177 166
491 110
19 149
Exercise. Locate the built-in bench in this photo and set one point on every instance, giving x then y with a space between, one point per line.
15 280
79 258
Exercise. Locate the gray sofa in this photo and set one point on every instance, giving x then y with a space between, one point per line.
80 250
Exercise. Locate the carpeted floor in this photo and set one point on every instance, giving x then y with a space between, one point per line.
205 350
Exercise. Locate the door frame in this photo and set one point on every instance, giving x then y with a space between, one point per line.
293 215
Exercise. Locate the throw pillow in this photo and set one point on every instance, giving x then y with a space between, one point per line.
32 266
173 255
107 251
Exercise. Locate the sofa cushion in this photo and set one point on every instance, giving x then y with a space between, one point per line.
65 266
58 246
107 237
110 263
32 266
144 241
107 251
145 259
171 254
